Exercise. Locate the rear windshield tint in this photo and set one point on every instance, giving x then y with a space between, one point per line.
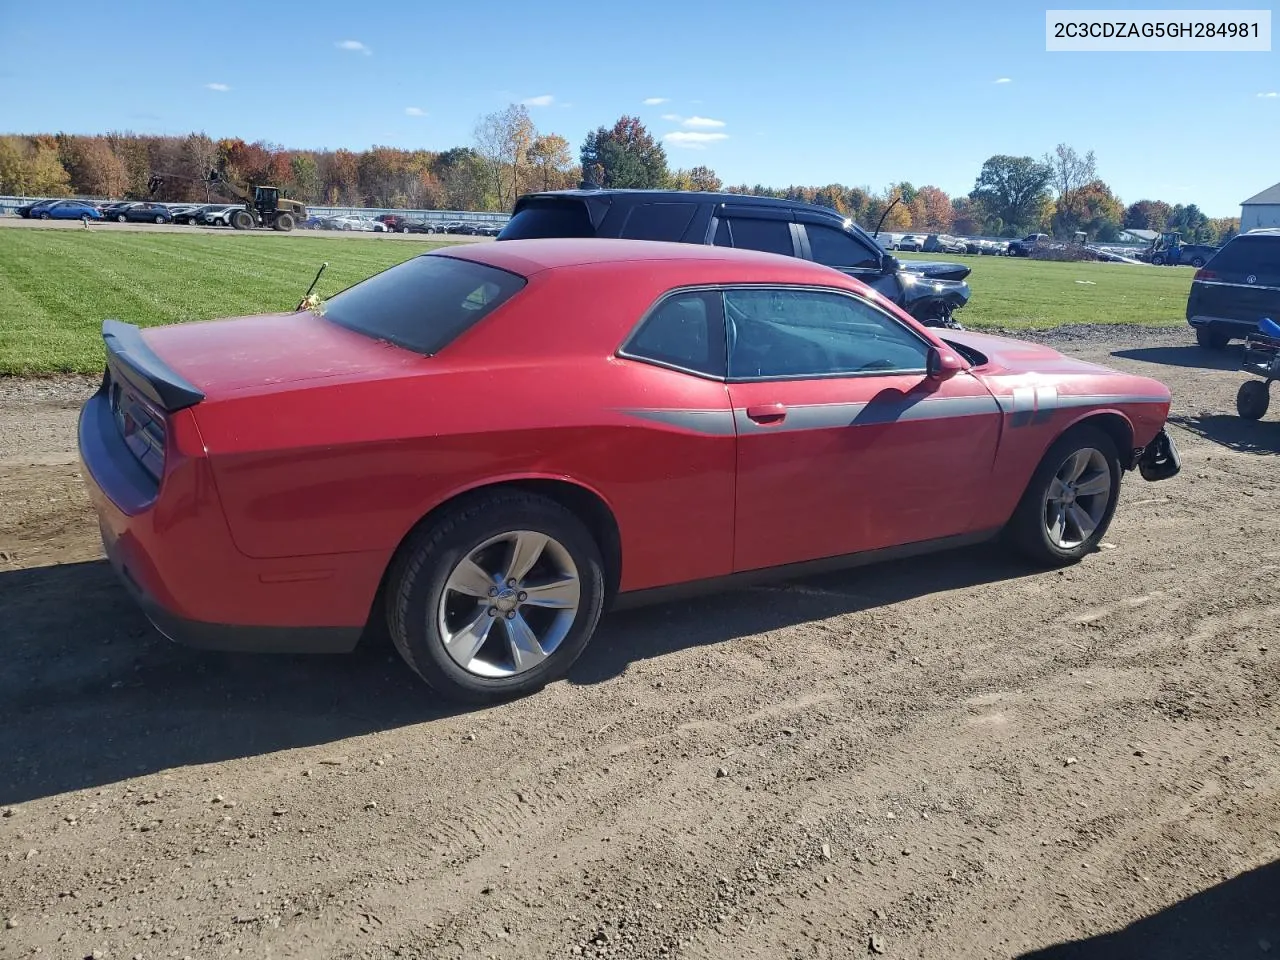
1255 255
424 303
554 219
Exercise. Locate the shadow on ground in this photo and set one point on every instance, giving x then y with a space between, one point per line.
1246 436
90 694
1189 355
1238 918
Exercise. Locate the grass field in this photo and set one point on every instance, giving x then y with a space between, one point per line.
56 286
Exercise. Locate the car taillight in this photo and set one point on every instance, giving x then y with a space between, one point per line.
142 426
1204 273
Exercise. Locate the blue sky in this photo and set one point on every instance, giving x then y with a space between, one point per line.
808 92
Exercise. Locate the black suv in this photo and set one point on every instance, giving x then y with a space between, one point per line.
930 292
1238 287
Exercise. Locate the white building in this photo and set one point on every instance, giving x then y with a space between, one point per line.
1262 210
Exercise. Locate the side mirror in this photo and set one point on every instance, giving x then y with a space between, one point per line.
889 264
942 364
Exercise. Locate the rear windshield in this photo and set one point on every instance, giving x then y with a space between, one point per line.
549 219
423 303
1256 255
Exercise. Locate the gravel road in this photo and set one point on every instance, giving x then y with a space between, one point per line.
945 757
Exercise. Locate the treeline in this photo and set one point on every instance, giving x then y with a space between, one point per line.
1060 193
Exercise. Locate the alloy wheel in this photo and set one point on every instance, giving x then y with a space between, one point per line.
1077 498
508 604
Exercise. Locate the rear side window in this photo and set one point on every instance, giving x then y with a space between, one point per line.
835 248
771 236
659 221
549 219
685 331
424 303
1259 256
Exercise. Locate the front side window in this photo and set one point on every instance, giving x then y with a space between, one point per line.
423 303
835 248
797 334
685 331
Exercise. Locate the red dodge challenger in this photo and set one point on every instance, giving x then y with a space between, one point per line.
486 445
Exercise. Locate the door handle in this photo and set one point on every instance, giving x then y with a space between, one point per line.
767 413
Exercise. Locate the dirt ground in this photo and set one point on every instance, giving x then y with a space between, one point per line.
947 757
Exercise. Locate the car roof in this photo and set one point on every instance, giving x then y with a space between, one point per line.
533 256
720 196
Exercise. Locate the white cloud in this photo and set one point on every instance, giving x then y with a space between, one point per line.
415 112
656 101
223 88
355 46
673 117
545 100
694 141
703 123
1003 80
1271 95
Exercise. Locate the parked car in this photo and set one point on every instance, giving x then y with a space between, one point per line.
352 222
185 212
312 222
419 226
701 414
1236 289
911 242
110 209
143 212
27 210
392 221
488 229
1023 247
929 291
217 214
942 243
1185 254
68 210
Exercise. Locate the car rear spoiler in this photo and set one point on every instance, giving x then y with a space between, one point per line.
129 358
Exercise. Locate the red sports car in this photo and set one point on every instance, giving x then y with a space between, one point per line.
486 445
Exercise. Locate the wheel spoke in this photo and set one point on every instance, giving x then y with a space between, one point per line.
524 554
1056 489
558 594
1083 522
1096 483
1058 529
1075 466
526 651
470 578
466 643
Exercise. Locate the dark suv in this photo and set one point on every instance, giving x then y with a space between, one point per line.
1238 287
930 292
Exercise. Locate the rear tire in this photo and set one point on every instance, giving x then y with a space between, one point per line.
1197 262
283 223
121 218
1252 400
1211 338
1032 529
424 610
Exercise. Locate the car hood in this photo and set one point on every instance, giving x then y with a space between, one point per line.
261 354
937 269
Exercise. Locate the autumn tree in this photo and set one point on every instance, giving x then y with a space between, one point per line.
936 208
704 178
305 172
968 218
502 140
1013 189
1068 171
551 161
1147 215
1091 207
31 166
626 154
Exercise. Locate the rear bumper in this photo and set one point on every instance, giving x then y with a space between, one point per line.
171 549
1238 328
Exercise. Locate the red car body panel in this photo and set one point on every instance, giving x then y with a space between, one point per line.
316 450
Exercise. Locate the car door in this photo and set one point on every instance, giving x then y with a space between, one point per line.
844 444
823 242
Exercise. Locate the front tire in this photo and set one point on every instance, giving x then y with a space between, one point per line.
1197 262
121 218
1211 338
496 599
242 220
1069 503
